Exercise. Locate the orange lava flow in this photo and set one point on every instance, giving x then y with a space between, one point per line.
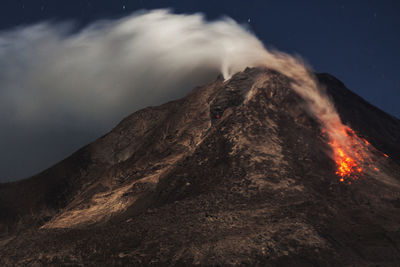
350 155
348 167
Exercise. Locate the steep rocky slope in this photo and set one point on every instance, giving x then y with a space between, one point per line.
237 172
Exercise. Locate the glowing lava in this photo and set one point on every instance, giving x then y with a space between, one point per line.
350 154
353 155
348 167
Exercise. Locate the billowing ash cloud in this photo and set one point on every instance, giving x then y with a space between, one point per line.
60 89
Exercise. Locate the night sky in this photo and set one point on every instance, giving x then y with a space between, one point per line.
356 41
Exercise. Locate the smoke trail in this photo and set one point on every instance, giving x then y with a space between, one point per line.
350 152
55 81
305 84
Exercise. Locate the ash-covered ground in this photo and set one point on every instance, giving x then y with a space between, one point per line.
236 173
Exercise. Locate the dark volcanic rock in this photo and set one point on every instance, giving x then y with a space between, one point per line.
236 173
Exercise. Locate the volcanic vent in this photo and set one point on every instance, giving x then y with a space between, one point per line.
237 172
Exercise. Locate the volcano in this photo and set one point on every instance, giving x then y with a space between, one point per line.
238 172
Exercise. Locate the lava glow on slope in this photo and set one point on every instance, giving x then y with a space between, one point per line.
352 156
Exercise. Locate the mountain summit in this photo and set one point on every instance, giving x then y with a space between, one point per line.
236 173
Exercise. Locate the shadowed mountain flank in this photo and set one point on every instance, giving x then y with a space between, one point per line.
236 173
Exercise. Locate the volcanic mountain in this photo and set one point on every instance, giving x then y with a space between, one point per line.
236 173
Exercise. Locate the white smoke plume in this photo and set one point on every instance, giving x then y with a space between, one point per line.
114 67
60 88
58 81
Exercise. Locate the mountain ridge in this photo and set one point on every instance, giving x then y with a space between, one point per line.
237 172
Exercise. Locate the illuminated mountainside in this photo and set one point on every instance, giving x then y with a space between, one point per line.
237 172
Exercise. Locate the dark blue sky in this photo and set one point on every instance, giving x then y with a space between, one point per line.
357 41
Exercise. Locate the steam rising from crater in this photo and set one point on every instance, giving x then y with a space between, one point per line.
112 68
56 81
60 89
